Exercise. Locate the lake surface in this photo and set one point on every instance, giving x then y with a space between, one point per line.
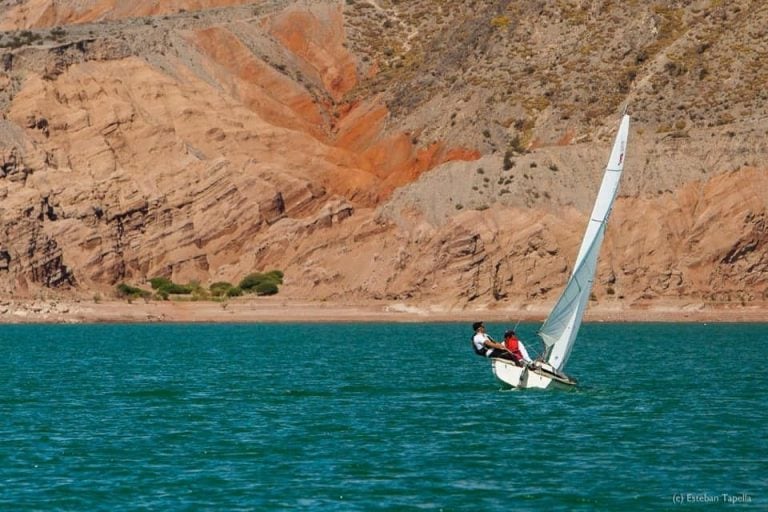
377 417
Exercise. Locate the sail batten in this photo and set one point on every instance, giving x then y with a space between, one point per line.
562 325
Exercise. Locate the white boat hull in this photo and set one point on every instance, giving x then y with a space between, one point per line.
542 377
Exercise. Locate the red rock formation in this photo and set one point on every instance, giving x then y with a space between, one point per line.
150 157
50 13
316 37
277 98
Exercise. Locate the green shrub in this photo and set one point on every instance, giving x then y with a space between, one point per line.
220 288
266 288
177 289
159 282
165 287
235 291
128 291
250 281
265 282
198 292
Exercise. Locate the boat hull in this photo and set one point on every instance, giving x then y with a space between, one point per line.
543 377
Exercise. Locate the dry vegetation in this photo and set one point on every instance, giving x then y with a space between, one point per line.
517 72
501 75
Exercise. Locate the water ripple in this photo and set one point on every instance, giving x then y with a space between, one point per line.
130 417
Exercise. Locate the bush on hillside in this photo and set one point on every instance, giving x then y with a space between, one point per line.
262 283
235 291
128 291
508 162
276 276
251 281
177 289
159 282
220 288
266 288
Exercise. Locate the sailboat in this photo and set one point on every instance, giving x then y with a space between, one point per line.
559 330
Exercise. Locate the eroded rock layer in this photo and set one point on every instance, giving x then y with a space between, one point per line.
361 149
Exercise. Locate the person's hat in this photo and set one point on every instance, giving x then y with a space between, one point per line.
477 325
509 333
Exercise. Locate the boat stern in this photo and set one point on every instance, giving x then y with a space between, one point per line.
540 376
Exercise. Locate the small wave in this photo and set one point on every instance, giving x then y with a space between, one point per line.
166 393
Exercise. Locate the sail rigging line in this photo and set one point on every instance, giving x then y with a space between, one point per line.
520 340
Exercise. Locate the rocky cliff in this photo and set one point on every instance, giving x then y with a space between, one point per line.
436 152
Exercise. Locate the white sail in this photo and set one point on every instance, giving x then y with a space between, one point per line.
561 326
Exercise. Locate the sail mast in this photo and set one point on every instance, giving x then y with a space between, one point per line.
561 326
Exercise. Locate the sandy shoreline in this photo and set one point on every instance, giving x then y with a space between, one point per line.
287 310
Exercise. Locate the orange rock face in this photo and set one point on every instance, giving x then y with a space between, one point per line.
704 244
50 13
128 171
263 89
317 38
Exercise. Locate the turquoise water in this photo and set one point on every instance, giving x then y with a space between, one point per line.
376 417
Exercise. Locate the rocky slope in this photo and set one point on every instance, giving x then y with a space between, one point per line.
435 152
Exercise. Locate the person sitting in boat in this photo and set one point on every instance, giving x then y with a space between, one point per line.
485 346
512 344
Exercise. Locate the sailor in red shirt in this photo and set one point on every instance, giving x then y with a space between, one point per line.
513 346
